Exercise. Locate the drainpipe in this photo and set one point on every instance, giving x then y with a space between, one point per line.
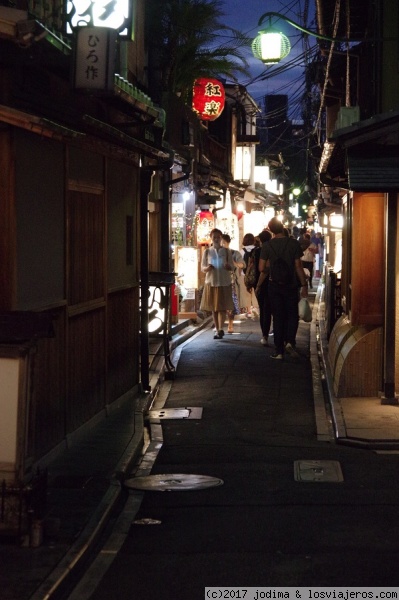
145 188
391 223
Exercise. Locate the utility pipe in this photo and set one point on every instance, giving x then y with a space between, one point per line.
391 223
145 188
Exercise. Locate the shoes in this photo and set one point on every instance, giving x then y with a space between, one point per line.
264 341
277 356
291 350
218 335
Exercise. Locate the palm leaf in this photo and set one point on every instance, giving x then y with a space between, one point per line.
185 36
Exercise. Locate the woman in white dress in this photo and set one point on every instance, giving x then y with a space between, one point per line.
217 264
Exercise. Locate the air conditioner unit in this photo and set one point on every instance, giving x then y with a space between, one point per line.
346 116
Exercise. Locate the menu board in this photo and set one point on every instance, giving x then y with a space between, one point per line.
186 266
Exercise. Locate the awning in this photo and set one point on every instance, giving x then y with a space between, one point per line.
47 128
373 168
264 197
364 156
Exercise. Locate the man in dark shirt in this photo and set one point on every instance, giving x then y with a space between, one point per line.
283 298
262 293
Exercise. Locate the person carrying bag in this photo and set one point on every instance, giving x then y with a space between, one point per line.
283 290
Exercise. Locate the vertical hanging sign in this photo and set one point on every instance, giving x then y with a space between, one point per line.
94 65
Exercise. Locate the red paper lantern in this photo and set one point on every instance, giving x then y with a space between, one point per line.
206 223
208 98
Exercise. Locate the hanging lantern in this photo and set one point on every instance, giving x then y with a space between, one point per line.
271 46
208 98
205 224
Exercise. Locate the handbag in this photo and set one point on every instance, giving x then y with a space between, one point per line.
304 310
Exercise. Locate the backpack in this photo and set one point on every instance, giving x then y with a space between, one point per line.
247 256
251 275
280 270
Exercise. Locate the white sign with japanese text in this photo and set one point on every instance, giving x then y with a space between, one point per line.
187 266
95 58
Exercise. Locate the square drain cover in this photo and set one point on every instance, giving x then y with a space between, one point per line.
176 413
318 470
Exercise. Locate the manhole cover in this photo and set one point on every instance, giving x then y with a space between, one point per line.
175 413
318 470
172 482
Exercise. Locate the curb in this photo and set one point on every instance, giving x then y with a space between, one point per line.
189 332
338 422
324 430
60 579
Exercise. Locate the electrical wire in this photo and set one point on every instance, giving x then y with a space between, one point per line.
323 95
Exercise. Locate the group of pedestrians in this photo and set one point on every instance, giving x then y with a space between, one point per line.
282 288
281 281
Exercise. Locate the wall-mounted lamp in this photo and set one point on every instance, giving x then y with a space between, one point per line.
271 46
336 221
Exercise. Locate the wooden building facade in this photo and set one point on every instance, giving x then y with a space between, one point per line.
75 176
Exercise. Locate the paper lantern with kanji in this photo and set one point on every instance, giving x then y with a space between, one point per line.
208 98
205 224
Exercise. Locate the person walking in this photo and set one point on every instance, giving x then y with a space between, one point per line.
262 293
217 264
247 293
308 258
320 255
238 263
280 258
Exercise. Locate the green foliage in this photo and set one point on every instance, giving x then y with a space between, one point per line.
183 39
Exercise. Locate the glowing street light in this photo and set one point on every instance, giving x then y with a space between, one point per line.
271 46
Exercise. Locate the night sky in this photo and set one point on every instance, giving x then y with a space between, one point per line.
244 15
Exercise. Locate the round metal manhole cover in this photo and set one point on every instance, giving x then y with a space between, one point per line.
173 482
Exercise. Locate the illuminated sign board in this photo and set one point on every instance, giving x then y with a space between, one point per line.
94 58
114 14
187 266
